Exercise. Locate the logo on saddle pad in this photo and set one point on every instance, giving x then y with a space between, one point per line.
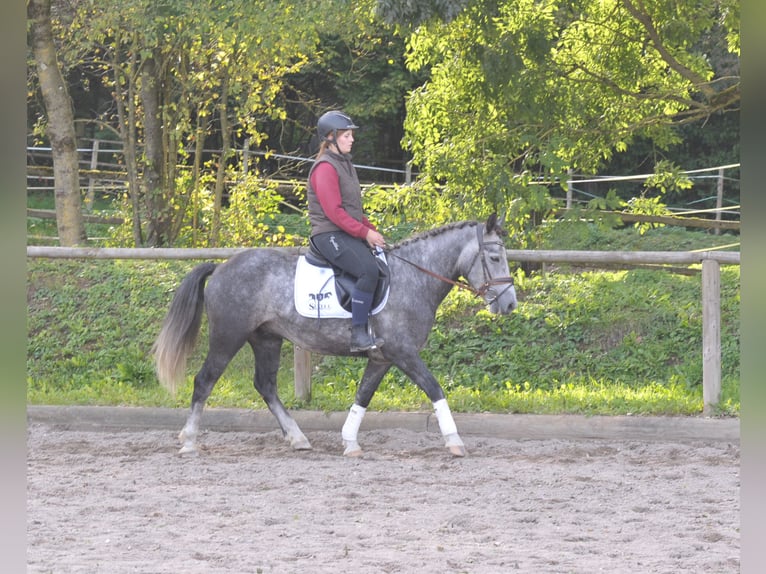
324 292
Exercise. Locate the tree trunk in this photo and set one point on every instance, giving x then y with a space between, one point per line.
220 179
126 114
61 132
199 146
131 155
171 145
153 156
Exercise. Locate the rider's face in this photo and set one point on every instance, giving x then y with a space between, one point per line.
344 140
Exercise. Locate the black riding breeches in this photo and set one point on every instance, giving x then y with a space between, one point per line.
350 254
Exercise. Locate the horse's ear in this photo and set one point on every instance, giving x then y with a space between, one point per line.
491 223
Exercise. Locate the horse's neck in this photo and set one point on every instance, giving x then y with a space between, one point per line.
441 253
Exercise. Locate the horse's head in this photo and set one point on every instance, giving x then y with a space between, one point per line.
488 273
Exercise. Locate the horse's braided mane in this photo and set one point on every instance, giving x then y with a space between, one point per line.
434 232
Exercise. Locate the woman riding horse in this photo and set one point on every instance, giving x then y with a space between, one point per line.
339 229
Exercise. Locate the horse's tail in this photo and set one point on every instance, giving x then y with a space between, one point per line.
181 327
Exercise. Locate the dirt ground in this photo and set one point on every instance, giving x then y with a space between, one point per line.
119 502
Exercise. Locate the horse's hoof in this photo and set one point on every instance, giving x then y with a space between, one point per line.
188 449
457 450
301 445
352 450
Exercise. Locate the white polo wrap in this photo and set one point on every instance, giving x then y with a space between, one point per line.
444 416
353 421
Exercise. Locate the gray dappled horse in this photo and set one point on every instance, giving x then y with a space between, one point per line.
249 299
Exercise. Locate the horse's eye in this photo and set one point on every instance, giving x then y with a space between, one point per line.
494 258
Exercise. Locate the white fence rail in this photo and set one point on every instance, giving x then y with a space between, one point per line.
711 291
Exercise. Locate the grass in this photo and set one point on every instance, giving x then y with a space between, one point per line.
44 231
588 342
577 344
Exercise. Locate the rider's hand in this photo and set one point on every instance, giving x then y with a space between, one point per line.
375 239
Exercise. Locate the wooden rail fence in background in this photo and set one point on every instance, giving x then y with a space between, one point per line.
711 291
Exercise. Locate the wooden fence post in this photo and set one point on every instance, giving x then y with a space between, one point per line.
90 196
711 335
302 373
245 158
719 200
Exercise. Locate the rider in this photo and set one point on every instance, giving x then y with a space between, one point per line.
339 228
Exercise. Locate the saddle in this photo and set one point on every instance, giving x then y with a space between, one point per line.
323 290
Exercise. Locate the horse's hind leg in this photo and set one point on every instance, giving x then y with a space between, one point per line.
218 357
267 355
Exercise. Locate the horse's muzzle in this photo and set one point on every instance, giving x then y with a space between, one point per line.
501 299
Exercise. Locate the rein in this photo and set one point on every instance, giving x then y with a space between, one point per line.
459 284
489 282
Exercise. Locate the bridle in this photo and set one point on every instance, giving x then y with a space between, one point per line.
489 282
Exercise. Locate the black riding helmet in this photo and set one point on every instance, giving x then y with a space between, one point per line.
332 121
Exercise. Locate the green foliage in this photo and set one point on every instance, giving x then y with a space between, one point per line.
521 91
578 235
358 68
408 13
502 95
255 215
412 207
590 342
668 178
251 217
625 342
647 206
220 69
86 318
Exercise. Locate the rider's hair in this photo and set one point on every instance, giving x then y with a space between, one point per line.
325 145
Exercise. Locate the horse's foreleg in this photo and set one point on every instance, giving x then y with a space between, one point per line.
350 431
448 428
373 374
267 355
415 368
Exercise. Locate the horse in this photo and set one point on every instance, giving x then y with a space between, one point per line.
249 299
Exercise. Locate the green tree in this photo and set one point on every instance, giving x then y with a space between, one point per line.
361 70
521 91
60 125
185 73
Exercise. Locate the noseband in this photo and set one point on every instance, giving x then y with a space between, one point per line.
489 282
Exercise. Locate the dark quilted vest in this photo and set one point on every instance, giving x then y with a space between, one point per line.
350 193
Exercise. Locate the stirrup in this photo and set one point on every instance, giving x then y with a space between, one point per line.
363 341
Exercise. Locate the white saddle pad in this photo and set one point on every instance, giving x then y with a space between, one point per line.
315 294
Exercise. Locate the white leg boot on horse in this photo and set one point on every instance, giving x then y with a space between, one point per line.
448 428
350 431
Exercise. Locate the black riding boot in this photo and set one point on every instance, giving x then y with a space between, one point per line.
361 340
